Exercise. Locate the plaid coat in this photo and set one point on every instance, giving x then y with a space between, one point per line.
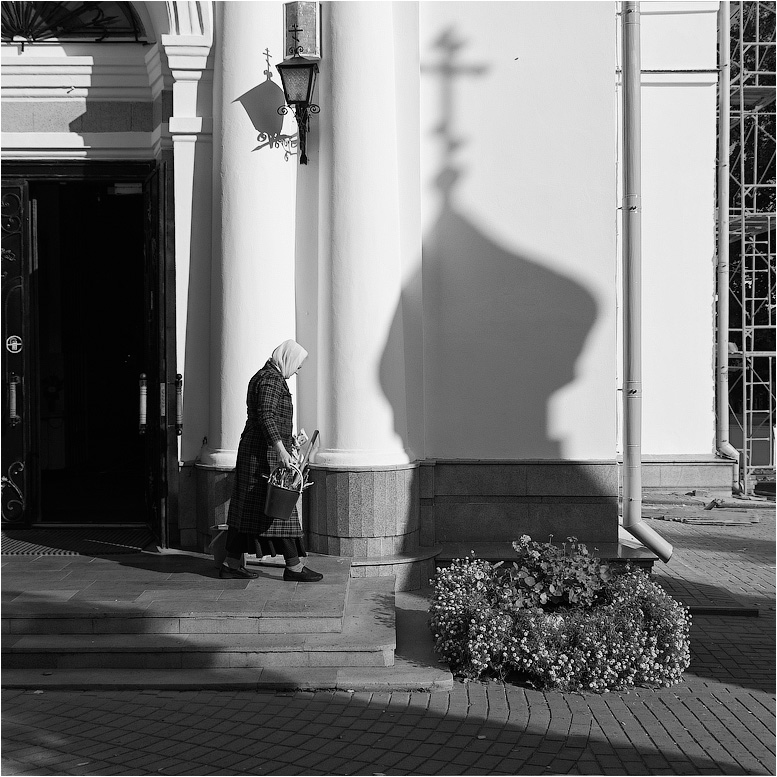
270 415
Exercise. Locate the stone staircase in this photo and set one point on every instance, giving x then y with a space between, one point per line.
156 612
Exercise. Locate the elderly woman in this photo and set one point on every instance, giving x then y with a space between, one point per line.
266 442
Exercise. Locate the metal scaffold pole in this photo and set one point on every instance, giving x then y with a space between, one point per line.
723 444
746 232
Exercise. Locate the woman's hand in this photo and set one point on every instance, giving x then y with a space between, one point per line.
283 454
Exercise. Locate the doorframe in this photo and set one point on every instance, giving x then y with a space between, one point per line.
134 171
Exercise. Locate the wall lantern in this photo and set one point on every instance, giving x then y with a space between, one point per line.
298 76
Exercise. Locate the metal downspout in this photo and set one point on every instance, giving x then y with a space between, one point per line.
723 445
632 286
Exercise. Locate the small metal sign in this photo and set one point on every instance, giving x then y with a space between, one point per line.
305 17
13 344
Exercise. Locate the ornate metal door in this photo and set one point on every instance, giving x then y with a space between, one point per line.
17 266
20 410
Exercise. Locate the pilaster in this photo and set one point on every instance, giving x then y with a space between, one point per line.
187 125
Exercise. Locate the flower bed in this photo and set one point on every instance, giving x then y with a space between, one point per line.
561 618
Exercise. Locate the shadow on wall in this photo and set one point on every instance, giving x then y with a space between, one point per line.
503 335
103 116
502 332
262 104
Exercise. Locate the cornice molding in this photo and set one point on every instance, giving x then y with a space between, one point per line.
71 145
74 77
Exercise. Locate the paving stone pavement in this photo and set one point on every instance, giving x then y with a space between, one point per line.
720 720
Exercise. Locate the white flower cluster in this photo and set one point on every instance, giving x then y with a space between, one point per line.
634 634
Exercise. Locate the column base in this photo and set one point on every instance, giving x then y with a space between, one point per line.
412 571
218 458
338 458
370 515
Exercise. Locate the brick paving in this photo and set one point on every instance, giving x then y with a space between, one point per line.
719 721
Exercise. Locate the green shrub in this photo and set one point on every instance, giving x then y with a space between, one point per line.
548 575
592 630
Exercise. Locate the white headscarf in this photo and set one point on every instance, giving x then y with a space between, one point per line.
288 357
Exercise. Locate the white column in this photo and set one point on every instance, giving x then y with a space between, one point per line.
362 406
252 279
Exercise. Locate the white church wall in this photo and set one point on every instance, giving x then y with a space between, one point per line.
406 63
519 219
678 226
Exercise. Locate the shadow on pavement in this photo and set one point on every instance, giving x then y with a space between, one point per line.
476 729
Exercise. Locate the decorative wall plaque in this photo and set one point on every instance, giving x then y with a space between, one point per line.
305 16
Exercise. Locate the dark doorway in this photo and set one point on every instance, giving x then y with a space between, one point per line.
88 310
88 292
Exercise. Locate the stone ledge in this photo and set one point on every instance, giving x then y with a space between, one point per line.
402 558
364 467
444 500
660 473
514 462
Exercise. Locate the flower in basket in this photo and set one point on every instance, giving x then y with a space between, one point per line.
296 444
289 478
294 477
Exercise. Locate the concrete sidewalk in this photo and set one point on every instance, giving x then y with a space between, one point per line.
720 720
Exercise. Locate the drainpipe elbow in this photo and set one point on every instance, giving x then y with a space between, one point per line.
651 539
727 450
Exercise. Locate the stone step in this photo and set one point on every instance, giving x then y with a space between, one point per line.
403 675
169 596
166 618
416 667
367 639
612 552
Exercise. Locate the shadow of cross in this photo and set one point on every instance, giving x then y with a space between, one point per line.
449 70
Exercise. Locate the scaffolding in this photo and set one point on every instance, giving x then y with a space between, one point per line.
751 290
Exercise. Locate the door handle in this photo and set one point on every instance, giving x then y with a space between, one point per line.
143 402
179 403
13 382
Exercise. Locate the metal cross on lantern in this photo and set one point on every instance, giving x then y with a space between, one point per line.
298 76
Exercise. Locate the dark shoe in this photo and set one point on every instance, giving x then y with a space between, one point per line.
305 576
227 573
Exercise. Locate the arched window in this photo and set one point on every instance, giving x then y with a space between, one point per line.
39 22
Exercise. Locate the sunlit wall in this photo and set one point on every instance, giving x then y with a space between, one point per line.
679 97
518 149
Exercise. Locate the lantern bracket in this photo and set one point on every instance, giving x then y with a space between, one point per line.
298 76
